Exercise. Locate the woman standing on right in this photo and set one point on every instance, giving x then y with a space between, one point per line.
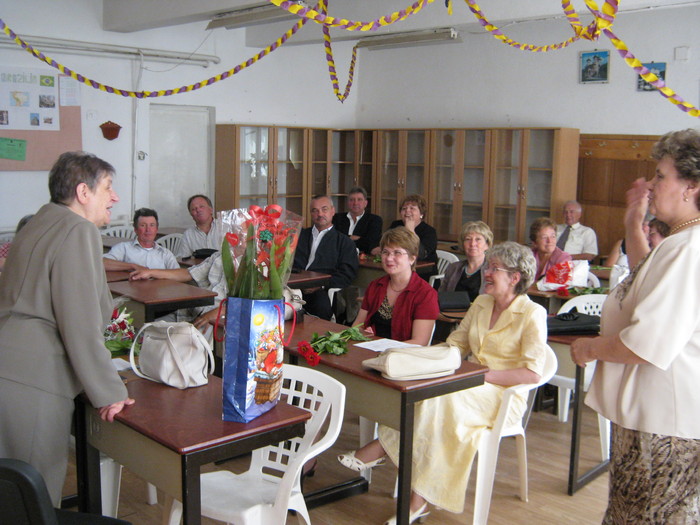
649 351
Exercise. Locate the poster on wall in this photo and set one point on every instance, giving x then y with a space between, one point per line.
593 67
28 99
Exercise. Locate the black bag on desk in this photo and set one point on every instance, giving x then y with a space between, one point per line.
454 301
573 323
203 253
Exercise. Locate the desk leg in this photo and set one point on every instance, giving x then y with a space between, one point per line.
576 482
87 462
403 503
191 492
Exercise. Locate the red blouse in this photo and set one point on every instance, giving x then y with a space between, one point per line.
418 301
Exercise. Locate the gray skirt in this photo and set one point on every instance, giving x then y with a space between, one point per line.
654 479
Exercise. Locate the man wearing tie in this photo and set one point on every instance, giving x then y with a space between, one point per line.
573 237
322 248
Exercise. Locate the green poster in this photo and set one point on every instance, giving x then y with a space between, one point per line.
13 149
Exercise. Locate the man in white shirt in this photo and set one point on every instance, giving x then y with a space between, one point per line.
204 233
322 248
573 237
143 252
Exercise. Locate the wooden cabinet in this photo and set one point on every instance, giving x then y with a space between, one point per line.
607 166
505 177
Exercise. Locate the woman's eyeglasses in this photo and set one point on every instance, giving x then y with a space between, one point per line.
396 253
489 268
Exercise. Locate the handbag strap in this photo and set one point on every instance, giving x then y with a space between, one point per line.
132 353
207 347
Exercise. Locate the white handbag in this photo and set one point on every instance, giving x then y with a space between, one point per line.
176 354
416 362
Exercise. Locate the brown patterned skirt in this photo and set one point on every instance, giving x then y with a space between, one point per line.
654 479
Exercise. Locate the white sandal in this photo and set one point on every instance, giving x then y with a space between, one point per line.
349 460
420 516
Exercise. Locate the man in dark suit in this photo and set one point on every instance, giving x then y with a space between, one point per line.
363 227
322 248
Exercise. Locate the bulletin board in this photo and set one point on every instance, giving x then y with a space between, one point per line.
44 147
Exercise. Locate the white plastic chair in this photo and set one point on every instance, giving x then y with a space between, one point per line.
257 497
171 242
491 439
591 304
444 260
123 232
593 281
6 237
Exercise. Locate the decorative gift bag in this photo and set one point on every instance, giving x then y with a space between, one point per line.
257 257
252 358
567 273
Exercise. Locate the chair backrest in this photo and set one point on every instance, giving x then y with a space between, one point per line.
171 241
591 304
593 280
324 397
124 232
23 495
444 260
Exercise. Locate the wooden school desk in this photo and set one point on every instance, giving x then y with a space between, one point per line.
167 435
158 297
389 402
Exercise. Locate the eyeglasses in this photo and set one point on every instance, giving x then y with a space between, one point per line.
395 253
489 268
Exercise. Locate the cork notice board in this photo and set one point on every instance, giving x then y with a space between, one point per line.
44 147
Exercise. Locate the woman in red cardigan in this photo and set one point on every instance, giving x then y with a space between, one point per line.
400 305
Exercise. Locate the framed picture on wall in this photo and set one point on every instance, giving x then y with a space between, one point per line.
594 67
658 68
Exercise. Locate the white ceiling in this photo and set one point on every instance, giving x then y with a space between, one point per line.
136 15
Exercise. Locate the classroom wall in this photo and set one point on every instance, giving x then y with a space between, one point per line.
479 82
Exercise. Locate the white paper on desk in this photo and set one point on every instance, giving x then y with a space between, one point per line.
379 345
121 364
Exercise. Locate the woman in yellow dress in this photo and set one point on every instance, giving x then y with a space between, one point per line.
503 330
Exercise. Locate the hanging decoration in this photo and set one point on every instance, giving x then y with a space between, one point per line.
150 94
330 21
602 23
331 61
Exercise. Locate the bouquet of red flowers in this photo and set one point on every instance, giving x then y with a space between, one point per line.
119 333
258 250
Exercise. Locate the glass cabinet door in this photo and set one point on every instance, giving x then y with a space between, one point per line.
342 166
365 159
443 184
319 161
289 184
388 176
414 181
254 166
506 183
539 175
471 183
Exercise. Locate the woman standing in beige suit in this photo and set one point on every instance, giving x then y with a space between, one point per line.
54 303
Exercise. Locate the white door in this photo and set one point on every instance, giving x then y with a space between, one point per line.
182 159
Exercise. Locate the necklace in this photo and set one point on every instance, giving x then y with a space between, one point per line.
684 224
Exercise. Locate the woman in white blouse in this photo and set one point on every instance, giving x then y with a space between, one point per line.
646 378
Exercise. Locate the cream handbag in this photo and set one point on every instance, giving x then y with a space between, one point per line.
176 354
416 362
